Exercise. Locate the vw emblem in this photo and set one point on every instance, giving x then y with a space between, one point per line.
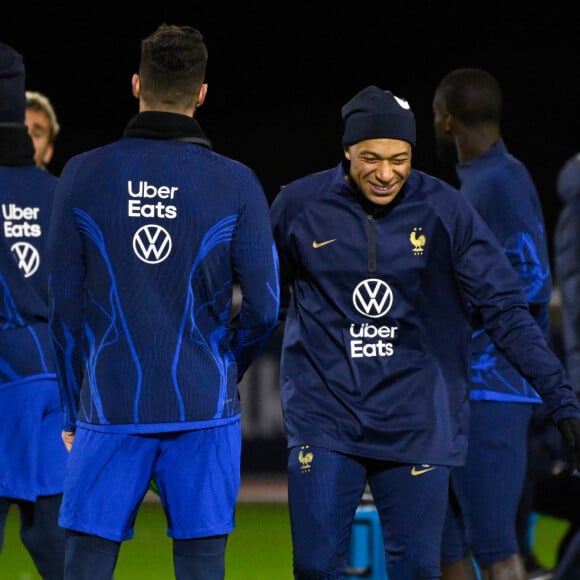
27 257
152 244
372 298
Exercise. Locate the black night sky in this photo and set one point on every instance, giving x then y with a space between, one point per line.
278 76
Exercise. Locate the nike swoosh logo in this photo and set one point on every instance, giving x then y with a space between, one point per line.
415 471
316 244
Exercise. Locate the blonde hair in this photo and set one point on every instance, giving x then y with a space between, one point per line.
39 102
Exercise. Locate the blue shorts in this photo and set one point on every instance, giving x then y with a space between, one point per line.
485 493
197 474
324 490
32 454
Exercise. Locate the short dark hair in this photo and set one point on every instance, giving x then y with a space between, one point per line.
471 95
173 64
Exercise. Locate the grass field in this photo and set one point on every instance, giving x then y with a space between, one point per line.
258 549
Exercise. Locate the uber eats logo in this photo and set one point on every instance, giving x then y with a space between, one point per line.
18 224
151 201
152 242
372 298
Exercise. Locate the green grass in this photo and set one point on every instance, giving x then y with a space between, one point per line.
258 549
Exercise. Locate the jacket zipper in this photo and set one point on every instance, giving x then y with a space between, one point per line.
372 243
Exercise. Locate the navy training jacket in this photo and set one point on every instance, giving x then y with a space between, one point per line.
376 346
151 234
501 189
26 195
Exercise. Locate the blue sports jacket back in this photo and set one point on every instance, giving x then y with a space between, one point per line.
376 346
26 195
150 235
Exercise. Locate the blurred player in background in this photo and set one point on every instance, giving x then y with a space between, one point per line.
43 127
32 455
485 493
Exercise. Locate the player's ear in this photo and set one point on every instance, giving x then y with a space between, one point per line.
201 95
136 85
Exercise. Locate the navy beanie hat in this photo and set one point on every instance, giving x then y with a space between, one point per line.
12 91
377 114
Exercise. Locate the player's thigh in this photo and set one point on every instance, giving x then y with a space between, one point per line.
489 486
454 546
198 476
324 491
411 501
107 478
495 469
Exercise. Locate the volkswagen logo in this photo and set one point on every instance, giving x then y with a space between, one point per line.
372 298
27 257
152 244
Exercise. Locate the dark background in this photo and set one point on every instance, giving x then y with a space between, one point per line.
278 76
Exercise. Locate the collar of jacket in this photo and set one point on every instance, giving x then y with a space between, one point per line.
487 158
16 148
166 126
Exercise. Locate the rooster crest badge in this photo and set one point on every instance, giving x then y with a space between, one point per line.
418 240
305 457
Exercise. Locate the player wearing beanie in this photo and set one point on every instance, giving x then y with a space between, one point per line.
32 455
378 264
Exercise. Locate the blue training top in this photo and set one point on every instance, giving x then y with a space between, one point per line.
26 194
32 455
376 345
501 189
150 235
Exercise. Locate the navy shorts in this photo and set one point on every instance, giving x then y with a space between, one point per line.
485 493
324 490
196 472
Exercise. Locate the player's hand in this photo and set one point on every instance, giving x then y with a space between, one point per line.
570 431
68 438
